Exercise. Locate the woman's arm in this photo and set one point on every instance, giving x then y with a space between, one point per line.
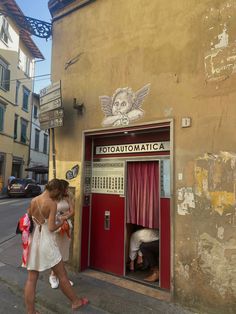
72 206
52 226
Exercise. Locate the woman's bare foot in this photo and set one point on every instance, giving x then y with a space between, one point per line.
80 303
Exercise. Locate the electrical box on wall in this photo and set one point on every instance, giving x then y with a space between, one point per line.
186 122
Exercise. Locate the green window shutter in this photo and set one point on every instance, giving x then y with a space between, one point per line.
25 99
15 127
7 79
1 118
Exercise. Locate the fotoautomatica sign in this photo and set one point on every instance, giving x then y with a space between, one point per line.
133 148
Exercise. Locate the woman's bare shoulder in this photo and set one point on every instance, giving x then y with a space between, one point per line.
43 201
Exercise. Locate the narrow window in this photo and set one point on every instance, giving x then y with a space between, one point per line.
4 75
24 62
15 126
26 94
27 67
35 112
20 57
23 136
2 112
17 92
36 142
45 144
4 33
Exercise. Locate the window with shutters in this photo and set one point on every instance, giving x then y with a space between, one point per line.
2 113
17 92
4 75
23 135
4 32
15 126
25 63
36 142
26 94
35 112
45 144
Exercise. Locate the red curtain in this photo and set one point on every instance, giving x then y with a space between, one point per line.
143 194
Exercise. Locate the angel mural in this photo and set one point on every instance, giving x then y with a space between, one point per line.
124 106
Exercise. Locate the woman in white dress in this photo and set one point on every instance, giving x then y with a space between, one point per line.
44 252
65 210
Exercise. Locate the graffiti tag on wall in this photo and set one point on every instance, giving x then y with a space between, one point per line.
72 173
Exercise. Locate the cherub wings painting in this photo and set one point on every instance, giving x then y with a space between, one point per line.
124 106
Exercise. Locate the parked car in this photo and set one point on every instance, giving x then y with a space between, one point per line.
23 187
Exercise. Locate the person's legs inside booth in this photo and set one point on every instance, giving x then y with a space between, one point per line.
150 251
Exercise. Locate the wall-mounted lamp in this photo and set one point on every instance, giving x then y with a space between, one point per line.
79 107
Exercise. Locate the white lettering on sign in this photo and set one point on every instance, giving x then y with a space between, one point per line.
51 105
49 89
133 148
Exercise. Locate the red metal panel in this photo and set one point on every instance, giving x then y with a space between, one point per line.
165 244
85 238
107 246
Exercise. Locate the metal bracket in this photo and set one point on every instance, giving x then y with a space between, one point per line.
35 27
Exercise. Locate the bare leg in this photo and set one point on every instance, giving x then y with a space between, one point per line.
52 273
30 288
65 286
131 265
139 259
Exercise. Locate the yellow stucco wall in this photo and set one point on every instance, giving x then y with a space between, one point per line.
8 146
62 166
185 50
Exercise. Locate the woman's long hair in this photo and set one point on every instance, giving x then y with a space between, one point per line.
54 187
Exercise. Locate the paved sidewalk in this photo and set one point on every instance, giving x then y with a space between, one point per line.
104 297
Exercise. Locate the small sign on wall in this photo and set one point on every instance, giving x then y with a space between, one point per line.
165 177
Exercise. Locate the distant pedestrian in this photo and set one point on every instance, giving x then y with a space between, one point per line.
10 179
44 252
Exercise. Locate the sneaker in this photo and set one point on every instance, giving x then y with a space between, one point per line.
54 282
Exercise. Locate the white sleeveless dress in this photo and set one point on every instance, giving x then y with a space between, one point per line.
63 241
44 252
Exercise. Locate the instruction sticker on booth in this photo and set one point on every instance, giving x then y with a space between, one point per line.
108 177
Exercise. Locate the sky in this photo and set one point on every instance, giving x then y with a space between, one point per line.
39 10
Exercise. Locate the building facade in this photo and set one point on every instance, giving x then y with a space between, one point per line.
17 55
148 89
39 146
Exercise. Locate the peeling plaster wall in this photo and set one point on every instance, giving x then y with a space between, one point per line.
208 214
186 51
220 59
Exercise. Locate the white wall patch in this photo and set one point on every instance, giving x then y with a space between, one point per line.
186 201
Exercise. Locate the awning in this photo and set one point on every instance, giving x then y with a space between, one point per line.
37 169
